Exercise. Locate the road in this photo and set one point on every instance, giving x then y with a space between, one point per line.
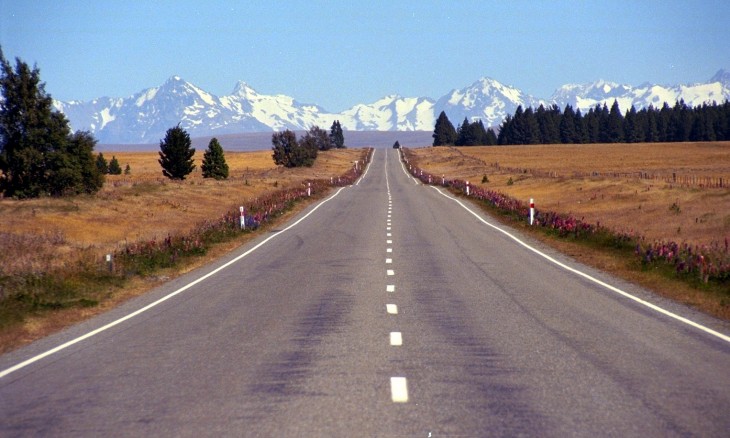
389 309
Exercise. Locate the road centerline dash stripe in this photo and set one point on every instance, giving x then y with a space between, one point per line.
399 389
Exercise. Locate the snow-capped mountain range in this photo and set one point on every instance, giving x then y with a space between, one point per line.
144 117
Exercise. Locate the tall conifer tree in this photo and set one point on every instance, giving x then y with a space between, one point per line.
444 133
38 154
214 161
176 154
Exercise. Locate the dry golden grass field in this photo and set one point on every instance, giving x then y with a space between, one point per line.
559 178
603 184
146 205
55 234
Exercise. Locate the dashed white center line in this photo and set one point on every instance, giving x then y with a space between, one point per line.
387 228
388 261
389 242
392 309
396 339
390 288
399 389
388 234
389 250
390 272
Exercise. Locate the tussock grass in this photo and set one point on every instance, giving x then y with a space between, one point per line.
560 179
621 203
52 262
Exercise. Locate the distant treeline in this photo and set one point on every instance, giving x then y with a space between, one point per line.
709 122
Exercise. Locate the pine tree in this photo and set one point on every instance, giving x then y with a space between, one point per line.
478 133
101 164
38 154
548 122
615 124
214 161
491 137
318 139
114 167
462 134
631 129
127 170
176 154
651 133
603 116
567 125
283 144
396 145
531 130
444 133
337 138
288 152
505 130
581 132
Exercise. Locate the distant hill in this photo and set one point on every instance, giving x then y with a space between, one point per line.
253 141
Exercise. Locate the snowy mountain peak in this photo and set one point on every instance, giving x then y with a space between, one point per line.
243 89
722 76
145 116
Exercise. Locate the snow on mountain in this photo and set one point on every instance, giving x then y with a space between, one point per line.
391 113
485 99
586 96
145 116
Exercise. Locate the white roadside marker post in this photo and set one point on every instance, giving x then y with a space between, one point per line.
109 262
467 188
243 218
532 211
309 189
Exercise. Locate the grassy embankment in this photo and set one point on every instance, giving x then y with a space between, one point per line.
655 192
52 263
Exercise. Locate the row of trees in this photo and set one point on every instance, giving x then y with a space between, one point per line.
467 134
176 156
112 167
290 152
40 156
38 153
709 122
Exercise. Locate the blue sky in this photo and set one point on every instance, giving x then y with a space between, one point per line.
340 53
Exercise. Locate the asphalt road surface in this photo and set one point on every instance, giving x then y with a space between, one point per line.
389 309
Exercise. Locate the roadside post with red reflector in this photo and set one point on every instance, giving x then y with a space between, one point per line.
532 211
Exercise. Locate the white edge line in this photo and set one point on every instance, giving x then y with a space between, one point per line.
593 279
159 301
366 169
403 166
